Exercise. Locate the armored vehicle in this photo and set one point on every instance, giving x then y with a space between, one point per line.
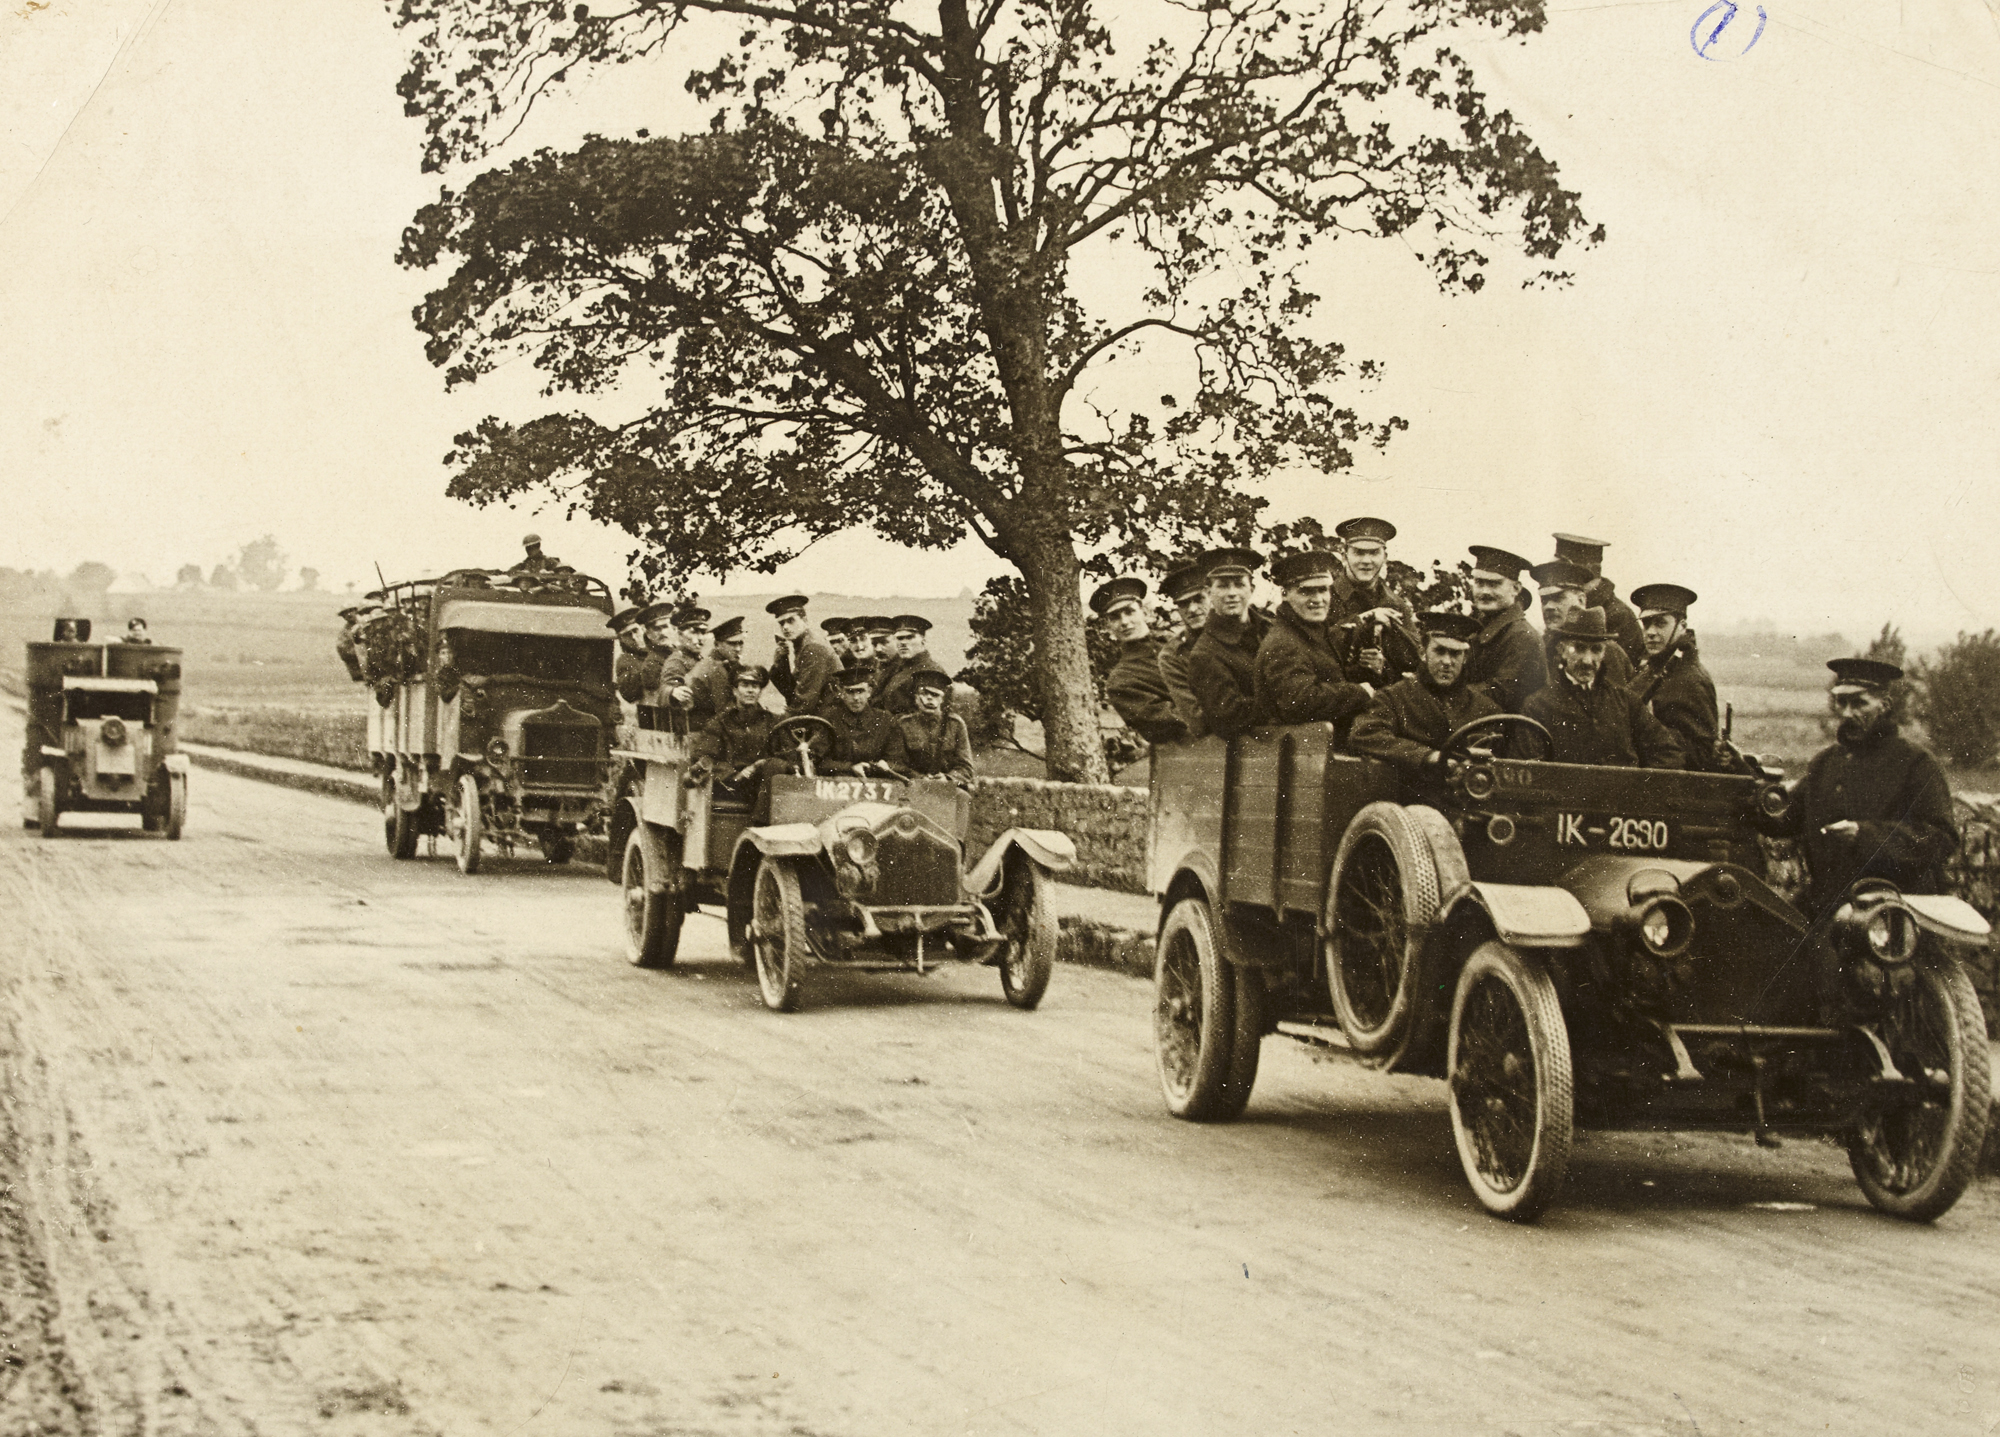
101 733
1567 946
863 874
492 711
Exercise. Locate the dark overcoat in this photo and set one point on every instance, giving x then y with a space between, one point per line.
1222 671
898 690
1138 690
1402 641
1602 724
1897 793
1174 669
1507 660
1619 618
1410 720
803 672
735 738
1682 696
931 746
1299 676
858 738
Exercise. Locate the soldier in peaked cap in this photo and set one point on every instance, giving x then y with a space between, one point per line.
861 731
839 638
1184 587
1299 675
636 683
710 685
1408 722
895 690
1563 586
1222 665
1135 685
690 628
1872 804
1592 721
803 667
1377 627
1507 659
1672 681
1603 594
929 742
732 744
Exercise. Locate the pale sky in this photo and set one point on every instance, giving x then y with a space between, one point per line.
1775 382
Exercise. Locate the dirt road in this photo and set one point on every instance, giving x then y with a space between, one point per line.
307 1141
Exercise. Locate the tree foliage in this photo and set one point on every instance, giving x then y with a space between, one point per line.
188 577
261 564
223 577
897 281
1957 698
309 581
91 577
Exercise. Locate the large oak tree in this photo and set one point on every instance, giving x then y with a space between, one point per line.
892 284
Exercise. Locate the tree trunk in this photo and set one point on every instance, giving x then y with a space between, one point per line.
1069 696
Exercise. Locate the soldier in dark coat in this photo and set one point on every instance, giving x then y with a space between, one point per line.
928 742
1603 594
840 638
1136 687
1299 676
1408 722
875 649
1672 682
1562 587
1590 720
533 561
1872 804
804 665
635 682
1185 588
710 685
1222 665
861 732
1507 661
733 742
1374 627
345 645
690 642
895 687
628 660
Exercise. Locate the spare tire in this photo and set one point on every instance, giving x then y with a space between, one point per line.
1381 906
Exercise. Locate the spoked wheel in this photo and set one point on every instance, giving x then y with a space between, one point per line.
468 840
1915 1154
778 934
1204 1044
47 804
1512 1100
1383 903
399 824
653 910
177 805
1029 923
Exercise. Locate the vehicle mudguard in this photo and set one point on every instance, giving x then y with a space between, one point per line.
1525 915
785 840
175 763
657 857
1048 849
1947 916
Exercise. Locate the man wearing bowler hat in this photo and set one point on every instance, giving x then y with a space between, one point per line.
1563 587
1506 661
1603 594
1184 587
1299 675
897 691
1589 720
1409 721
1872 804
1376 625
803 667
1135 686
1672 681
1222 665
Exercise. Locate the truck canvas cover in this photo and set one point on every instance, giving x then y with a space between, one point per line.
545 621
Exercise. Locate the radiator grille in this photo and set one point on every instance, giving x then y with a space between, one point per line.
915 868
562 755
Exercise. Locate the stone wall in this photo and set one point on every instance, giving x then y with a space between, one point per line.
1108 824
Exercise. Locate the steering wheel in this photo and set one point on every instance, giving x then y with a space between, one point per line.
801 731
1458 747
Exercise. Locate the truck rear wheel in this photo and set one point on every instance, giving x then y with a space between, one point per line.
399 824
653 910
1381 906
47 803
1205 1043
1511 1090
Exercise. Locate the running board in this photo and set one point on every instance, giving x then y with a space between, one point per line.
1324 1035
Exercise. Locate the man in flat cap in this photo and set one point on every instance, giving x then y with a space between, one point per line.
534 561
861 731
1590 720
1189 595
1299 675
1506 661
840 638
1603 594
1562 587
1871 804
710 685
1222 665
897 692
803 667
1136 687
1375 626
1672 681
929 742
1409 721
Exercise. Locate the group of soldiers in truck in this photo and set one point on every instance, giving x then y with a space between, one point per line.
1611 683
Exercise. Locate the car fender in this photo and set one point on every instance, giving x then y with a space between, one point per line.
175 763
1525 915
1048 849
1947 916
785 840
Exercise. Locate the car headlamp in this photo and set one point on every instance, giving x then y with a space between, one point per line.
1665 927
113 731
1892 937
496 751
860 845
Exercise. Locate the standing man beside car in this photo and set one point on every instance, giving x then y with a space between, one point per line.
1222 665
1408 722
1135 685
1299 675
1672 681
1506 661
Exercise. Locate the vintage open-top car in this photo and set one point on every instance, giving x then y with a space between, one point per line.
1567 946
101 734
492 712
863 874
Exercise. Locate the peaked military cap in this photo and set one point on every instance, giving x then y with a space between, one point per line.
1230 561
728 629
1579 550
1290 569
1182 582
1379 530
857 677
1451 624
1662 599
1117 591
789 604
623 619
876 624
688 614
653 613
751 674
911 624
1859 673
1562 574
1587 625
1502 563
931 679
836 626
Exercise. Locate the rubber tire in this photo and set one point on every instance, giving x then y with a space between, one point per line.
1027 965
153 809
1213 1084
652 920
1382 1030
177 806
399 824
778 939
1969 1089
470 842
1522 982
47 808
559 850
